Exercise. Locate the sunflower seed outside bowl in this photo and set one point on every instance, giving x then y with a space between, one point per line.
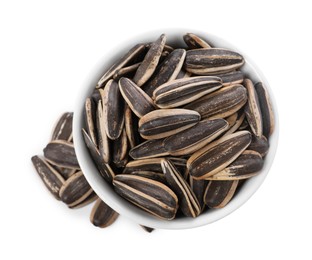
63 128
102 215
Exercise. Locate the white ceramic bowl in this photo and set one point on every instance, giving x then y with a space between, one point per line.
106 192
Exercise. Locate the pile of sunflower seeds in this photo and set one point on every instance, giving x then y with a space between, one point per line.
177 130
60 172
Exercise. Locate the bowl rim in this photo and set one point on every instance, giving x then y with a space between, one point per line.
103 190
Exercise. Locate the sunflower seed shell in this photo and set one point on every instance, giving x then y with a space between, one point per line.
102 215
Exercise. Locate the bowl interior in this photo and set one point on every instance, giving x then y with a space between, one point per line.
106 192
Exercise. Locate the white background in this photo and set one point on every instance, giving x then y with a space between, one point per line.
48 48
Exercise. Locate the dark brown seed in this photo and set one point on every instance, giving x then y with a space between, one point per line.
126 71
165 122
91 198
221 103
75 190
139 102
120 150
103 140
218 155
194 138
50 177
199 187
104 169
183 74
65 172
247 165
194 42
113 109
128 58
232 78
252 110
183 91
131 126
266 109
102 215
208 61
148 149
166 71
219 193
96 96
156 176
152 196
187 200
149 64
148 229
260 145
90 112
63 128
61 153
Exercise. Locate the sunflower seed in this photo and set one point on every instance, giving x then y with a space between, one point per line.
103 140
266 110
139 102
96 96
252 110
196 137
148 149
260 145
63 128
152 196
247 165
126 71
156 176
90 111
239 120
128 58
183 74
208 61
219 193
151 59
75 190
194 42
102 215
165 122
113 109
104 169
232 78
166 71
65 172
91 198
131 126
199 187
216 156
148 229
187 200
221 103
120 150
183 91
61 153
50 177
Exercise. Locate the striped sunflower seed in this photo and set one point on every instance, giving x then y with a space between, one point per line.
199 188
247 165
183 91
131 126
252 110
133 54
152 196
104 169
90 111
196 137
50 177
63 128
113 109
232 78
139 102
187 200
61 153
126 71
149 149
166 71
75 189
150 62
260 145
221 103
91 198
120 150
266 109
195 42
218 155
102 215
165 122
103 140
208 61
